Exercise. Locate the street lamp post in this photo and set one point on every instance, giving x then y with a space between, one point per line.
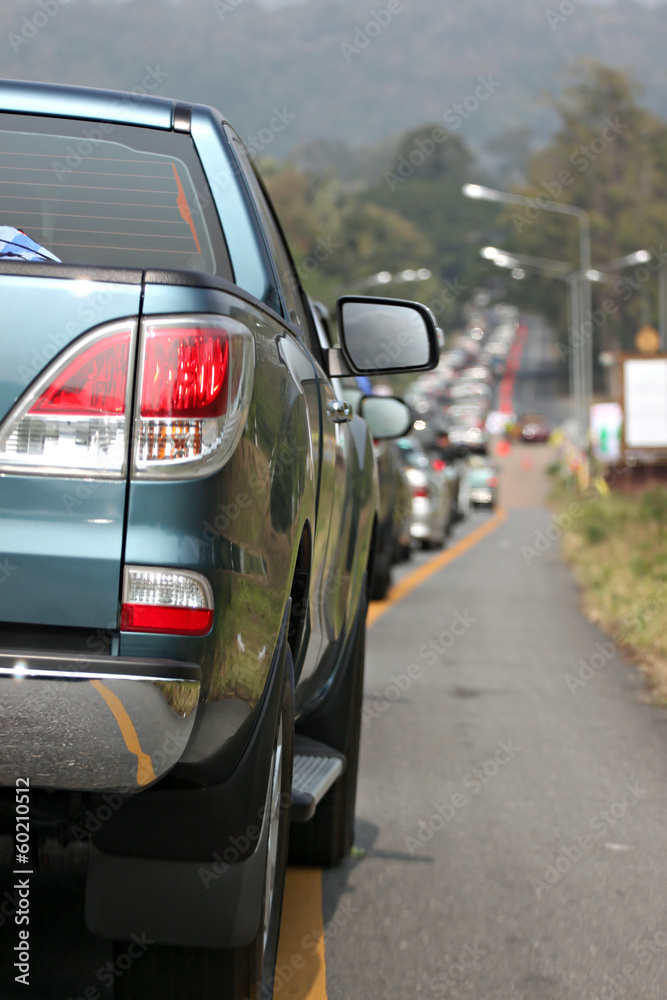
584 345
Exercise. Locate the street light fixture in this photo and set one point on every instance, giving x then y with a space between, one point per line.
384 278
564 271
496 255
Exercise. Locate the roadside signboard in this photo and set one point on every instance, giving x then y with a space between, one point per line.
606 427
645 402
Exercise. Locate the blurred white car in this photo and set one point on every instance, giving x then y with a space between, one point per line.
431 513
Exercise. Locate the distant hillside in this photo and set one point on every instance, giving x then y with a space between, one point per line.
340 70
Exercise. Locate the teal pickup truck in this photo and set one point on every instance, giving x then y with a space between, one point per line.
187 519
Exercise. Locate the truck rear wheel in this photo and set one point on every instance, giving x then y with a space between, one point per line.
167 972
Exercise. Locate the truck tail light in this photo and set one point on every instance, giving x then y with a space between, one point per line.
169 601
194 391
74 419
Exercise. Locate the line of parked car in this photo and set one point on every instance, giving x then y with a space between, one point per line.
431 478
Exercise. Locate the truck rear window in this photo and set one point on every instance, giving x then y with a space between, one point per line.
117 195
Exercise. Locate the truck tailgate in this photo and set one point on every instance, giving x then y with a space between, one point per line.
61 535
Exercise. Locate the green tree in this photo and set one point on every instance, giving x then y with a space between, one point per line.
609 157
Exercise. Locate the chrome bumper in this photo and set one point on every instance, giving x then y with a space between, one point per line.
93 723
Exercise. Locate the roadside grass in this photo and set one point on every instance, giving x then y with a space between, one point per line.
618 550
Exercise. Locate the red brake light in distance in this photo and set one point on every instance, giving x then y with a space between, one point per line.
420 491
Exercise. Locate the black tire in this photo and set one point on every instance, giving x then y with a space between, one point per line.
167 972
381 573
404 553
328 837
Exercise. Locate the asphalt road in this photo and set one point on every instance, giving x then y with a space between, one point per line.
513 816
513 822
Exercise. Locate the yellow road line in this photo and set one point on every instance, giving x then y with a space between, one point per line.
300 969
145 772
423 573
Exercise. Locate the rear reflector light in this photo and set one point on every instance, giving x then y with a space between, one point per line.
74 419
420 491
439 464
168 601
492 482
196 380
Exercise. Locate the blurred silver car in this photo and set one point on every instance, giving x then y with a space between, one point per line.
476 438
431 513
483 477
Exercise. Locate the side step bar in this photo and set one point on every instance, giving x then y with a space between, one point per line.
316 767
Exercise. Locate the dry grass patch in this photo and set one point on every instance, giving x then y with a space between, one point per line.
618 549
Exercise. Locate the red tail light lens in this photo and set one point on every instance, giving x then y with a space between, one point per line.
177 602
420 491
74 420
186 372
172 621
94 383
492 482
196 381
439 465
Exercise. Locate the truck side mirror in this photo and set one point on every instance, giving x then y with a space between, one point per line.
383 336
387 417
